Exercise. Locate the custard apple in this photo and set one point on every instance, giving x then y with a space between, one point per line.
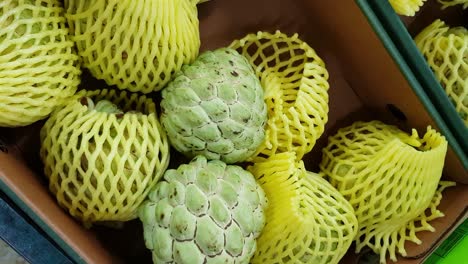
103 153
39 67
446 52
204 212
215 107
134 45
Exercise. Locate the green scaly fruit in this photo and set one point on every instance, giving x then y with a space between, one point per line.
204 212
215 107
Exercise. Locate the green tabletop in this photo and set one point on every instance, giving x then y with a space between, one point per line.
454 249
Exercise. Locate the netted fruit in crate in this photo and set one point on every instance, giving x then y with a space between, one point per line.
449 3
446 52
215 107
406 7
102 153
295 83
390 178
307 220
39 67
135 45
204 212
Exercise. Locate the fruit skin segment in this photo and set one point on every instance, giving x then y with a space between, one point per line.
134 45
295 83
446 51
390 178
204 212
39 68
102 160
307 220
215 107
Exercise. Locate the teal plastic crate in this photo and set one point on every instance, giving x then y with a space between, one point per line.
419 74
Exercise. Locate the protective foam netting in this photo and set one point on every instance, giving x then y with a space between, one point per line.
449 3
446 52
307 220
38 64
102 165
390 178
135 45
295 84
407 7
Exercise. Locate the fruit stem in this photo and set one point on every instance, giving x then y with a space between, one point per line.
104 106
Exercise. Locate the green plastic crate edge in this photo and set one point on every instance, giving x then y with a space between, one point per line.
370 10
418 67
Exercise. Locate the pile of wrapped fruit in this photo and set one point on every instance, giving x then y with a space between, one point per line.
237 122
445 49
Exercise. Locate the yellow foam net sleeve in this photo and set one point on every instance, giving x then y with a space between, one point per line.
295 83
134 45
39 67
307 220
102 165
390 178
406 7
446 52
449 3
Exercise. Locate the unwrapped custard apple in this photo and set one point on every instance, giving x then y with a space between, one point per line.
135 45
204 212
103 152
39 68
406 7
390 178
446 51
215 107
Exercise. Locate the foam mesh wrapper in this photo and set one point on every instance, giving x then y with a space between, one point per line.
295 83
307 219
391 179
39 68
446 52
134 45
101 166
407 7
